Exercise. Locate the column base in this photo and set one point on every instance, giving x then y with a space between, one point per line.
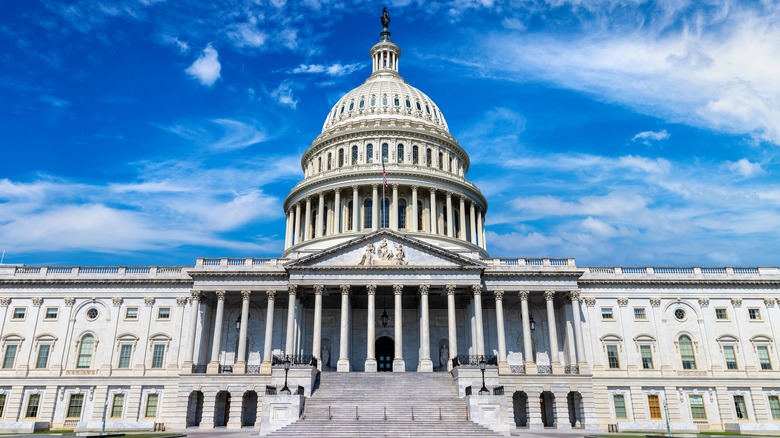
503 368
425 366
399 366
370 365
530 367
239 368
266 368
557 368
212 367
343 366
186 367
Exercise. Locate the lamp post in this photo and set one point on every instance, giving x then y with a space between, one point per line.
285 389
482 366
103 428
666 410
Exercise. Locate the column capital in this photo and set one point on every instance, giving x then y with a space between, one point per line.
450 288
181 301
319 289
292 289
345 289
574 295
371 289
449 195
374 186
271 294
195 295
245 294
549 295
523 294
322 195
433 191
498 294
355 187
117 301
220 295
394 186
398 289
308 199
69 301
337 191
149 301
414 189
476 289
424 288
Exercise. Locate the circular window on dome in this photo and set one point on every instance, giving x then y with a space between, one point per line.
362 103
92 313
679 314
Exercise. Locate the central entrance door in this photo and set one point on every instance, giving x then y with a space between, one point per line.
385 348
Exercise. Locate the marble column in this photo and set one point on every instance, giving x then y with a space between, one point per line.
549 296
316 342
213 367
355 209
240 367
398 361
343 364
415 212
426 364
193 331
452 335
371 330
476 289
450 225
307 220
473 223
394 210
578 337
320 215
375 207
433 212
265 367
289 345
336 211
297 237
480 231
462 212
499 296
527 340
288 230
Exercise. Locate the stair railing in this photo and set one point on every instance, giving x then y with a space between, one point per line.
357 413
412 413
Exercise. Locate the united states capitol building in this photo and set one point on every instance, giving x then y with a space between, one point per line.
386 270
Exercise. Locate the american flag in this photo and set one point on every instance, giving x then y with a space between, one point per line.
384 171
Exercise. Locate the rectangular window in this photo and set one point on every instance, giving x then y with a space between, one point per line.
620 405
763 357
117 405
754 314
125 353
10 356
697 407
19 313
612 356
131 313
151 405
731 358
158 354
52 313
774 406
606 313
639 313
2 404
721 313
740 408
647 357
32 406
75 403
164 313
654 406
43 356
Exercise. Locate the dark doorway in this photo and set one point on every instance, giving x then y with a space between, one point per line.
249 409
222 409
547 402
194 408
520 405
385 348
574 400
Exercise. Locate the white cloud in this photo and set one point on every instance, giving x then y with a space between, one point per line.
745 167
55 101
649 137
247 35
238 135
336 69
206 68
283 94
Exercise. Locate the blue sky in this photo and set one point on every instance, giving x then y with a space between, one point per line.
618 132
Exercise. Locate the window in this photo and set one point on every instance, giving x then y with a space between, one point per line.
754 314
369 153
164 313
92 314
384 152
75 403
10 356
2 404
350 209
774 407
763 357
355 154
51 313
606 313
330 161
612 356
441 161
620 405
125 353
341 157
415 155
721 314
86 347
402 213
385 213
697 407
158 354
740 407
731 358
117 405
32 406
429 158
679 314
319 164
420 224
397 101
368 213
131 313
654 406
399 153
687 356
151 405
43 356
19 313
362 103
647 357
639 313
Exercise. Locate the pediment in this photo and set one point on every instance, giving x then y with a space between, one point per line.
384 249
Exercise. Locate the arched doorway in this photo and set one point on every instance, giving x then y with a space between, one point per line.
520 407
574 401
249 409
194 408
547 402
385 352
222 409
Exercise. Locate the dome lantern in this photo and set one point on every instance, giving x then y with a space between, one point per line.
385 53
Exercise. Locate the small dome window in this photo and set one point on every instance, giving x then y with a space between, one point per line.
351 106
362 103
384 100
342 110
419 108
427 109
373 101
397 101
408 103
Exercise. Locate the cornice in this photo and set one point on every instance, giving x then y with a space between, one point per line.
406 268
574 274
94 281
735 281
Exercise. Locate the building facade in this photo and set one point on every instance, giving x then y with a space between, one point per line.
386 269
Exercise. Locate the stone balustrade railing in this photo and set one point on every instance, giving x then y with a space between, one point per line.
205 262
682 270
530 262
70 271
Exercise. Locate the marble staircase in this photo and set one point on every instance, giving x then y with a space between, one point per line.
385 405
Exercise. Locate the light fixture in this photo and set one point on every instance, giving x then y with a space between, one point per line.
385 318
482 366
238 324
285 389
532 324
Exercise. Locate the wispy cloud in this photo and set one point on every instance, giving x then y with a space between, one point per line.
206 68
745 167
230 134
336 69
647 138
283 94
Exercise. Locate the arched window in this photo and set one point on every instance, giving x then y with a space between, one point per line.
319 164
341 157
385 213
401 213
368 214
330 161
415 155
420 224
456 222
400 153
687 356
441 161
350 209
428 157
354 155
384 152
369 153
86 348
444 218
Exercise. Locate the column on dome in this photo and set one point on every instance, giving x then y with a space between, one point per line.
265 367
343 363
240 367
462 211
193 330
415 212
355 209
473 224
527 340
307 220
426 364
288 230
450 224
480 231
549 297
499 296
297 238
578 337
398 361
289 346
476 289
320 215
370 365
374 207
316 342
213 367
433 211
394 210
337 211
452 335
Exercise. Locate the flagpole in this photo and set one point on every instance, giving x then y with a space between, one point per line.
384 182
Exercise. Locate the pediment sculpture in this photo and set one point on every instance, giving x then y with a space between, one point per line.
383 255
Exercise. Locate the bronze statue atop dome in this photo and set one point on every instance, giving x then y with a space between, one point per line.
385 18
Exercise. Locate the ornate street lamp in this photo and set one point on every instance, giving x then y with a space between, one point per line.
285 389
238 324
482 366
532 324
